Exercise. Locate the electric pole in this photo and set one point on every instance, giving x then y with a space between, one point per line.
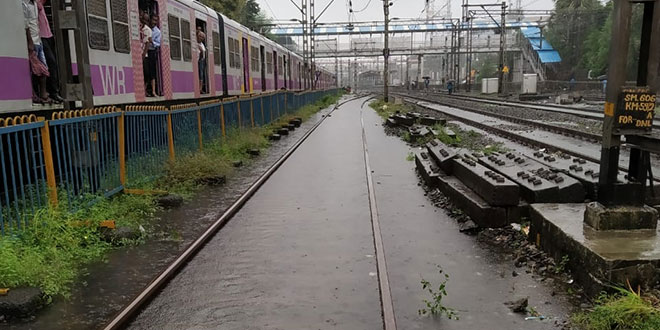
500 86
303 10
312 52
386 51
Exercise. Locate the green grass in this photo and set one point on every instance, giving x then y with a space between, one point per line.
470 140
387 109
53 251
622 310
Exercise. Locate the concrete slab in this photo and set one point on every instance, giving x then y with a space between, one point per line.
596 258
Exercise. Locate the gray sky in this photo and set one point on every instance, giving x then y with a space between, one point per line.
373 9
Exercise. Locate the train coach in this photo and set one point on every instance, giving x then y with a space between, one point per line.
239 61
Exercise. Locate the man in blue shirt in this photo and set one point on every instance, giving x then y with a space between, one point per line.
154 54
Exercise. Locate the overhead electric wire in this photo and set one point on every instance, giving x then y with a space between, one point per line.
363 9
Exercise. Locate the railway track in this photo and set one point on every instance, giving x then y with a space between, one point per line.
142 299
511 135
574 111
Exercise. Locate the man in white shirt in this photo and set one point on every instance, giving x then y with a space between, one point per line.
201 62
146 34
152 55
31 14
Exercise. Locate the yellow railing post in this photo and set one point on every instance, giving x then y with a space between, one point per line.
48 162
277 101
252 111
199 129
122 146
170 136
261 101
238 107
222 118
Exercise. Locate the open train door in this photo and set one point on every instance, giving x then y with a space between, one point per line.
286 77
275 69
263 68
246 66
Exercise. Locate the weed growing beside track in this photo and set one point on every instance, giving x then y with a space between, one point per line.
625 309
52 252
469 139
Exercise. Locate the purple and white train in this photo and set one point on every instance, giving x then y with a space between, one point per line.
239 61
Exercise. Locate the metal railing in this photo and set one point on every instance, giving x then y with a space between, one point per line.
98 152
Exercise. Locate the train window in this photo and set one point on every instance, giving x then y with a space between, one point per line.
269 62
120 33
234 53
254 58
280 71
175 37
230 42
216 48
97 22
185 40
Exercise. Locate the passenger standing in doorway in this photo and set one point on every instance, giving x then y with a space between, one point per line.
154 51
48 42
145 37
38 65
201 61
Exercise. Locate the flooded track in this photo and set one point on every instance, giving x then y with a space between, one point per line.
304 251
112 283
300 254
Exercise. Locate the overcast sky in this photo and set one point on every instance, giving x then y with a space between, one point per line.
373 9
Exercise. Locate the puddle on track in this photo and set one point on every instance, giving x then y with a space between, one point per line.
112 283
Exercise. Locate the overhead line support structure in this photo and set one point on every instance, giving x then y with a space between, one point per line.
386 51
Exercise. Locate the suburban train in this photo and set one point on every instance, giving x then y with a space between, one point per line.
239 61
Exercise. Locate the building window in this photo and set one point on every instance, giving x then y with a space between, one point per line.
97 22
216 48
254 59
269 62
120 33
185 41
175 37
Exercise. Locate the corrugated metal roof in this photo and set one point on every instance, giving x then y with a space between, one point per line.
545 51
531 32
549 56
538 44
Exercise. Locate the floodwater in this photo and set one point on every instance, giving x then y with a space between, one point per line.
111 284
300 254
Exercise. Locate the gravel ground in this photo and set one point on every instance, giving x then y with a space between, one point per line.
558 119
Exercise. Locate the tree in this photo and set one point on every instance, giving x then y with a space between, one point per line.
570 27
487 67
246 12
230 8
597 45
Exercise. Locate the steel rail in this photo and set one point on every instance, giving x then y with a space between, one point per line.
507 134
573 111
547 127
130 310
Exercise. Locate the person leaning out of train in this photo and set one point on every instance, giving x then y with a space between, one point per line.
201 38
152 54
38 65
48 42
145 37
